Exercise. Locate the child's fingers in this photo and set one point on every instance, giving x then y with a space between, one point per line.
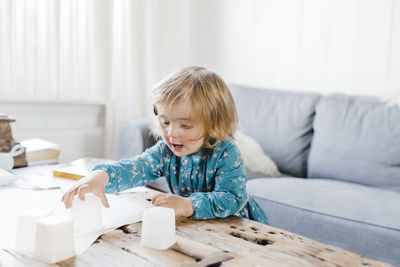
70 196
64 195
82 191
104 200
155 197
159 195
160 204
161 201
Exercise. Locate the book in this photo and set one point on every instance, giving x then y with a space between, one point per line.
43 162
6 117
39 149
77 169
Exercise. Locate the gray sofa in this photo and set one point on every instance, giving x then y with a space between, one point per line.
340 156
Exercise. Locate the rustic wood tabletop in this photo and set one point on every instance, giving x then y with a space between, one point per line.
232 241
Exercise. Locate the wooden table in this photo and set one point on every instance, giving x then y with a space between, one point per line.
232 241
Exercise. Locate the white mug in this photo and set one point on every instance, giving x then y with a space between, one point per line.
6 161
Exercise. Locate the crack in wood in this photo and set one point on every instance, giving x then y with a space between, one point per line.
134 253
258 241
196 258
126 230
321 259
214 264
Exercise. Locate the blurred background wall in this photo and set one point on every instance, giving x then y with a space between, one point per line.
72 70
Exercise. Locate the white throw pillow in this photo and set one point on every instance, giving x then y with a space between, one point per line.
253 156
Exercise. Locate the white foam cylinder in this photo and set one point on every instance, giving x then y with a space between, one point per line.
54 239
87 214
158 228
26 229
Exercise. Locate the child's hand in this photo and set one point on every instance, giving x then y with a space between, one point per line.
92 183
182 205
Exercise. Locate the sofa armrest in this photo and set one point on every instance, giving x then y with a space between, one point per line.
133 138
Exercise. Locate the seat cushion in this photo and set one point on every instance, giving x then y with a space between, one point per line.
356 139
360 218
280 121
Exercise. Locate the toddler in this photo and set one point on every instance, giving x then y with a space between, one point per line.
196 120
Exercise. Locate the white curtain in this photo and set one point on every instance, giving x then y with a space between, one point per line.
113 51
104 51
53 49
128 70
76 50
150 39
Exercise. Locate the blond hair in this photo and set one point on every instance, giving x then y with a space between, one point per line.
206 91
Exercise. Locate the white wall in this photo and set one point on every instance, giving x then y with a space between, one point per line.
77 128
346 46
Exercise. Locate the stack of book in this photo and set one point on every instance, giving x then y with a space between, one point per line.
40 151
77 169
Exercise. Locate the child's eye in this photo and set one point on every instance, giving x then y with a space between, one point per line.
186 126
165 123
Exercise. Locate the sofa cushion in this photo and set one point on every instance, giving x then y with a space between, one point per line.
356 139
341 199
254 158
280 121
360 218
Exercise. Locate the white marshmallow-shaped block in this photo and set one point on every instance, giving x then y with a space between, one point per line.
26 229
158 228
86 214
54 239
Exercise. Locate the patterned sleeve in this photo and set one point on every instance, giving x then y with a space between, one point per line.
136 171
229 195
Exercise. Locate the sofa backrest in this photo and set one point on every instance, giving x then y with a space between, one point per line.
356 139
133 138
280 121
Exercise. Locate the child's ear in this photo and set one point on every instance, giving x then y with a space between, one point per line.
155 110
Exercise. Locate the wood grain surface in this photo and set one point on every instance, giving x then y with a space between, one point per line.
232 241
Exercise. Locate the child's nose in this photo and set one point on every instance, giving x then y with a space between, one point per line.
173 131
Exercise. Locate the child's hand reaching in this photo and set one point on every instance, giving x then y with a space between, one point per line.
92 183
182 205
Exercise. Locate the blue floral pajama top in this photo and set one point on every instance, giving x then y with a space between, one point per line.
215 179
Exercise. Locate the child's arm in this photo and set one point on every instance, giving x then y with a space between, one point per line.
119 176
137 171
229 195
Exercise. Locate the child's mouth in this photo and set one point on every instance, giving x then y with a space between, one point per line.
177 146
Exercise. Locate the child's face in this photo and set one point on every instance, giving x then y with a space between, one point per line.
181 129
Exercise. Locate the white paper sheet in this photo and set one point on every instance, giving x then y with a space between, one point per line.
16 200
121 212
38 176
